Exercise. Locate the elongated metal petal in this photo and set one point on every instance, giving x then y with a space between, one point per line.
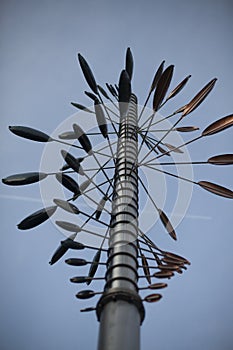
24 179
79 279
71 208
82 137
69 183
37 218
178 88
84 185
187 128
81 107
157 76
199 98
94 266
68 226
85 294
163 274
162 87
129 63
168 267
66 166
173 148
87 73
100 207
76 262
103 92
145 267
167 224
71 244
162 150
218 125
216 189
67 135
61 250
91 95
124 92
101 120
157 286
176 257
72 162
152 298
30 133
222 159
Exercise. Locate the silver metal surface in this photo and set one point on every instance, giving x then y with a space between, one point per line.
120 319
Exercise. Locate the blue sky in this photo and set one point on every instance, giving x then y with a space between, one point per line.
39 78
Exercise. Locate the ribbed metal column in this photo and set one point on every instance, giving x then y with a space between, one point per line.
120 310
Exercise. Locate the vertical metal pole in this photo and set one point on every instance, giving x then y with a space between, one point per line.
120 310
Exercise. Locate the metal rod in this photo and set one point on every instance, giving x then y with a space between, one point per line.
120 310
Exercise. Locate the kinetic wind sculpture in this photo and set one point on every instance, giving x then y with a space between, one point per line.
131 256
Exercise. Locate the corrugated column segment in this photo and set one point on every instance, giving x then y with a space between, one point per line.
120 310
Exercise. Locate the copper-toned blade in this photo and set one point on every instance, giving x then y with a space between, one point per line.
87 73
129 63
152 298
94 266
162 87
167 224
176 257
30 133
162 150
68 226
187 128
199 97
157 76
222 159
157 285
145 267
24 179
218 125
37 218
216 189
178 88
173 148
171 261
81 107
168 267
163 274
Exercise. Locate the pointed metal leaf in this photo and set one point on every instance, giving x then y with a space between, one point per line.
157 286
81 107
71 208
129 63
30 133
199 98
100 207
162 87
187 128
124 92
222 159
101 120
173 148
103 92
167 224
67 135
79 279
68 226
176 257
162 150
82 137
216 189
157 76
24 179
218 125
91 95
61 250
94 266
72 162
163 274
76 262
71 244
85 294
87 73
179 87
84 185
145 267
69 183
37 218
152 298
